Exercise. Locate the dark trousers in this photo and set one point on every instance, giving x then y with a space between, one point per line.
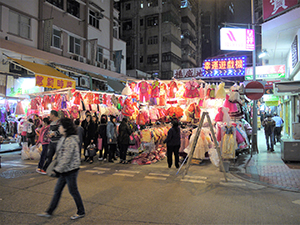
170 150
123 151
71 180
31 141
277 134
43 156
111 151
269 141
50 154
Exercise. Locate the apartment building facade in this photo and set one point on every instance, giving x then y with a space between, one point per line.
80 38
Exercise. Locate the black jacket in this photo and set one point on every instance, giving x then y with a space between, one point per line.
173 137
102 133
54 125
90 130
124 133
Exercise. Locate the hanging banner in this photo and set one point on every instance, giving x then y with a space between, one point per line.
53 82
186 73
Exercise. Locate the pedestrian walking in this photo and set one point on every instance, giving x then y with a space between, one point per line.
269 125
67 168
44 140
278 128
30 132
112 135
80 132
173 144
89 137
54 136
102 128
123 139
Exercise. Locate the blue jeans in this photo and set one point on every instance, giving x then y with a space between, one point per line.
270 137
71 180
43 156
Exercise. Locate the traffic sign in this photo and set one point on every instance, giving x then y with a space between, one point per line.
254 90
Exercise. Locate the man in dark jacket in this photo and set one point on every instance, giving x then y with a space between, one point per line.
54 137
123 139
269 125
173 143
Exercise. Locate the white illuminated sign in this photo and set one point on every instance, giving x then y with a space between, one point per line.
237 39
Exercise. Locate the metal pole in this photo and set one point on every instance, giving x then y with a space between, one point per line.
254 121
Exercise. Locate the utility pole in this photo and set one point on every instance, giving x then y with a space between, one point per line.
254 121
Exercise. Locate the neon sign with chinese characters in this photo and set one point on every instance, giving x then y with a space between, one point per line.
229 67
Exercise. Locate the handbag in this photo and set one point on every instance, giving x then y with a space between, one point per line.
99 143
131 140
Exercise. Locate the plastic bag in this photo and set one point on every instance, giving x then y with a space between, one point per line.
34 153
25 153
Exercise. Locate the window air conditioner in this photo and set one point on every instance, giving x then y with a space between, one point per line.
84 82
99 15
82 59
74 57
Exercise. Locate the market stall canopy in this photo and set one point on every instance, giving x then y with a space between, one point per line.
47 76
288 86
116 85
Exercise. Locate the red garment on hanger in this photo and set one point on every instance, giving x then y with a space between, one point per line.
96 99
89 98
77 97
172 89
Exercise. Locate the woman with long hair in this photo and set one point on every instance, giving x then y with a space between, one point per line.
90 136
123 139
173 143
102 134
67 167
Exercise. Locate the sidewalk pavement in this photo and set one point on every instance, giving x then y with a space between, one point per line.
264 168
267 168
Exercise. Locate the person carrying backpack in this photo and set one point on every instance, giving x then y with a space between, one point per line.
269 125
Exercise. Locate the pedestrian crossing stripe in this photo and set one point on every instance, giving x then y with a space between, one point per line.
123 174
194 181
94 171
296 202
127 171
101 168
195 177
232 184
155 178
159 174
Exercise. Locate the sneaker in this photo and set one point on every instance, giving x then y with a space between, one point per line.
105 160
43 172
91 161
45 214
100 159
76 216
38 170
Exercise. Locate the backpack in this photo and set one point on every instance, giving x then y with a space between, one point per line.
269 125
29 128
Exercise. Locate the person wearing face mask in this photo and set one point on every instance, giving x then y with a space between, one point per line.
111 133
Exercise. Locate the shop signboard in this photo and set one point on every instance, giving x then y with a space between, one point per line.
186 73
274 7
237 39
21 86
224 67
270 98
266 72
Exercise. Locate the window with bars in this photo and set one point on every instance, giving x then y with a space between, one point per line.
152 59
73 7
74 45
93 20
99 56
56 38
152 21
19 24
153 40
57 3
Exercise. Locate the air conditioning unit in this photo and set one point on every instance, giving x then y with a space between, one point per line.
99 15
84 82
82 59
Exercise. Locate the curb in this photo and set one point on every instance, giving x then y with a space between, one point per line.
13 150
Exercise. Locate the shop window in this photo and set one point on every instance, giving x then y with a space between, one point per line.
152 21
142 4
93 19
73 7
57 3
99 56
74 45
56 38
19 25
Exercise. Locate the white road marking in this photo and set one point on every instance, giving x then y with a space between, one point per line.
30 163
123 174
296 202
194 181
232 184
94 171
195 177
155 178
100 168
127 171
82 167
159 174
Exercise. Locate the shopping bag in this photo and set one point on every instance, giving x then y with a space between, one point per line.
99 143
131 140
50 168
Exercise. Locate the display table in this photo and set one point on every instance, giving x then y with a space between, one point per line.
290 150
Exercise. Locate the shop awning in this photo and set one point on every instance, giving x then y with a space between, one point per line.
47 76
116 85
288 86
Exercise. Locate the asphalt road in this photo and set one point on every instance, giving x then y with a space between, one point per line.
149 194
